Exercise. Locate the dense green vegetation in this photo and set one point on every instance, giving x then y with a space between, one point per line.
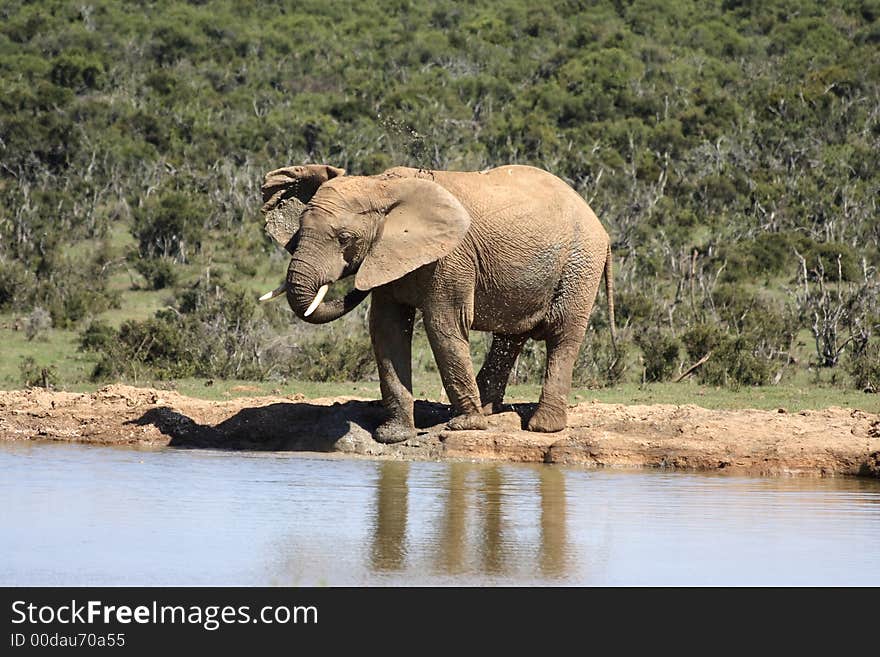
731 147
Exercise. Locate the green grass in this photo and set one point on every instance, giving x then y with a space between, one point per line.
228 389
789 396
134 304
54 348
58 348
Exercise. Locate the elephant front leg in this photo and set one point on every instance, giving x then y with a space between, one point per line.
448 336
493 376
391 327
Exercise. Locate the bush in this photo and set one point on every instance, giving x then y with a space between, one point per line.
37 323
863 365
169 225
739 358
33 374
159 272
734 364
641 106
735 305
66 290
77 72
156 347
699 340
74 300
599 364
765 254
822 257
660 352
13 284
211 333
335 356
96 337
634 308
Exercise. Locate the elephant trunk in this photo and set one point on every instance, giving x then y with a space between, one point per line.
305 295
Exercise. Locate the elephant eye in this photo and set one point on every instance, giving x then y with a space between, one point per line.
344 236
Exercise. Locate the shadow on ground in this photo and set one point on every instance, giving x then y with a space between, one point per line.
291 426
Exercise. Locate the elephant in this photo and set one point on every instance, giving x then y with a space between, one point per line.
512 250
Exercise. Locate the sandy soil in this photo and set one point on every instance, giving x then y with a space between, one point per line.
834 441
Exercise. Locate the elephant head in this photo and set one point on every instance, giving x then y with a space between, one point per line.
377 229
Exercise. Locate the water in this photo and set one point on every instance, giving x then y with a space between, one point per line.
85 515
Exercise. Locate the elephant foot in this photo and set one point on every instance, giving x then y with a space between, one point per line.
492 407
548 420
469 422
393 432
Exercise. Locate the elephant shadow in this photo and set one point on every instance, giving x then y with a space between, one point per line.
294 426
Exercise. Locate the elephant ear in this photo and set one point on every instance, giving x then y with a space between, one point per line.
285 193
423 223
282 221
299 181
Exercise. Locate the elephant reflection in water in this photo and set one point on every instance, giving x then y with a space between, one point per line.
491 538
493 554
553 532
389 531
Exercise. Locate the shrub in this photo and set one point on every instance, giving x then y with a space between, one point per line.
863 365
599 364
212 333
634 308
822 257
96 337
169 225
639 105
765 254
13 284
335 356
68 291
700 339
155 346
734 304
77 72
159 272
660 352
734 363
37 323
74 300
737 359
33 374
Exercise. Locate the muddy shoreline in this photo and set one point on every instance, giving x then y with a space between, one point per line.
829 442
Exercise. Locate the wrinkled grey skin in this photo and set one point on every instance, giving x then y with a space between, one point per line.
512 250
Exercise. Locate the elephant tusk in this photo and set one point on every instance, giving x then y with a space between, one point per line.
319 297
277 292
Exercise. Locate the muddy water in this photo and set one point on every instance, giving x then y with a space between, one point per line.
76 515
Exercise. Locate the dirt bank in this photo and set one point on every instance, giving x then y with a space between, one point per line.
834 441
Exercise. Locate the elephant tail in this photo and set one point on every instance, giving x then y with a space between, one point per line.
609 294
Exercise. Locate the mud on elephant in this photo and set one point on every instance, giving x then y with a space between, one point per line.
512 250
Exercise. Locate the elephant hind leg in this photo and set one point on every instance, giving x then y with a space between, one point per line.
564 332
552 412
495 372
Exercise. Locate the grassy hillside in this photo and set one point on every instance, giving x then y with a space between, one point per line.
731 147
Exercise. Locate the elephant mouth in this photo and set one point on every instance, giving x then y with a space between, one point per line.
282 289
320 309
319 297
